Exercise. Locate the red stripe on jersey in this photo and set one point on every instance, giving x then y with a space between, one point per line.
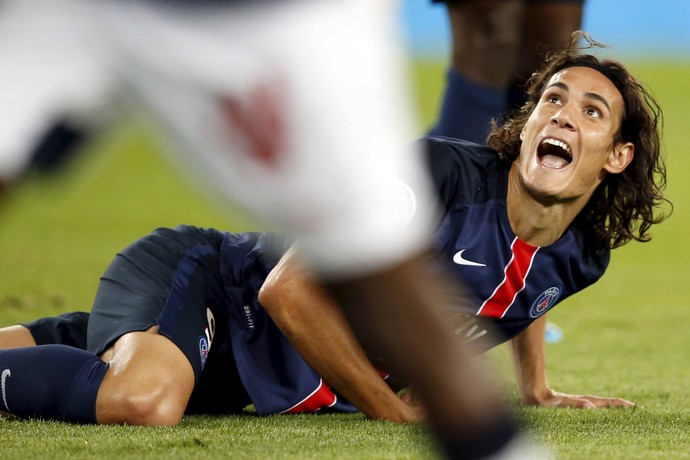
513 282
321 397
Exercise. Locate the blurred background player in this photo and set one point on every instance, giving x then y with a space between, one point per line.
496 46
310 141
54 91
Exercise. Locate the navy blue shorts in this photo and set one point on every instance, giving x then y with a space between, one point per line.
166 278
171 278
66 329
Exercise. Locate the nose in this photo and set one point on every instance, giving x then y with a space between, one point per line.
563 119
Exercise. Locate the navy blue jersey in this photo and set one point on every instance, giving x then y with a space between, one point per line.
276 377
513 282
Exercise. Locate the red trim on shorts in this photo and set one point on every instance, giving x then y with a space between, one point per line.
321 397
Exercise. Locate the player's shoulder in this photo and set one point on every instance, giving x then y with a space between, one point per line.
464 171
260 249
594 261
460 146
449 150
251 242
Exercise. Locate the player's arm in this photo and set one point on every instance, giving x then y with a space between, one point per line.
529 351
317 328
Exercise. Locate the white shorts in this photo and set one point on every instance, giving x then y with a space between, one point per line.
49 73
297 110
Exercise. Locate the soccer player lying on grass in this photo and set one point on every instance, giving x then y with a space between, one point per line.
177 318
529 221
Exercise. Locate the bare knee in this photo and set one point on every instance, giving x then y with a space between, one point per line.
149 382
151 405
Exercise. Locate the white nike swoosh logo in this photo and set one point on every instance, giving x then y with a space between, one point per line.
6 373
460 260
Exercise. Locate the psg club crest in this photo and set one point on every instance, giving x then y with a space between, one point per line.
203 350
546 300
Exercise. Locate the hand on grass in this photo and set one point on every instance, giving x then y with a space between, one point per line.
414 412
551 398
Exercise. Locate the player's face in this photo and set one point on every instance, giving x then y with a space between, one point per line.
567 143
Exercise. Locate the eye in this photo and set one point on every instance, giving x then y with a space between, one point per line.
554 99
593 112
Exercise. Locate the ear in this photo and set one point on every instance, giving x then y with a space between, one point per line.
620 158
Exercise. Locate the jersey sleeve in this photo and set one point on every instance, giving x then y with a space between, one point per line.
461 171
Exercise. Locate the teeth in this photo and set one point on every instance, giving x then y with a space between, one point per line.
557 143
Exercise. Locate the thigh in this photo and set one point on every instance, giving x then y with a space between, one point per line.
548 26
15 337
486 38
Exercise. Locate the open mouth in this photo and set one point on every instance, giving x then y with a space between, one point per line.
554 154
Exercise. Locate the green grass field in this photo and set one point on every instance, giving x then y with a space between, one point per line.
626 336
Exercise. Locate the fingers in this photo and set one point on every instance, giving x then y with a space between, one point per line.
609 402
563 400
585 402
416 412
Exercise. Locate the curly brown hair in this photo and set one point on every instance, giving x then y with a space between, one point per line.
625 205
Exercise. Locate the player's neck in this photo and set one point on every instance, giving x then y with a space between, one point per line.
536 221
